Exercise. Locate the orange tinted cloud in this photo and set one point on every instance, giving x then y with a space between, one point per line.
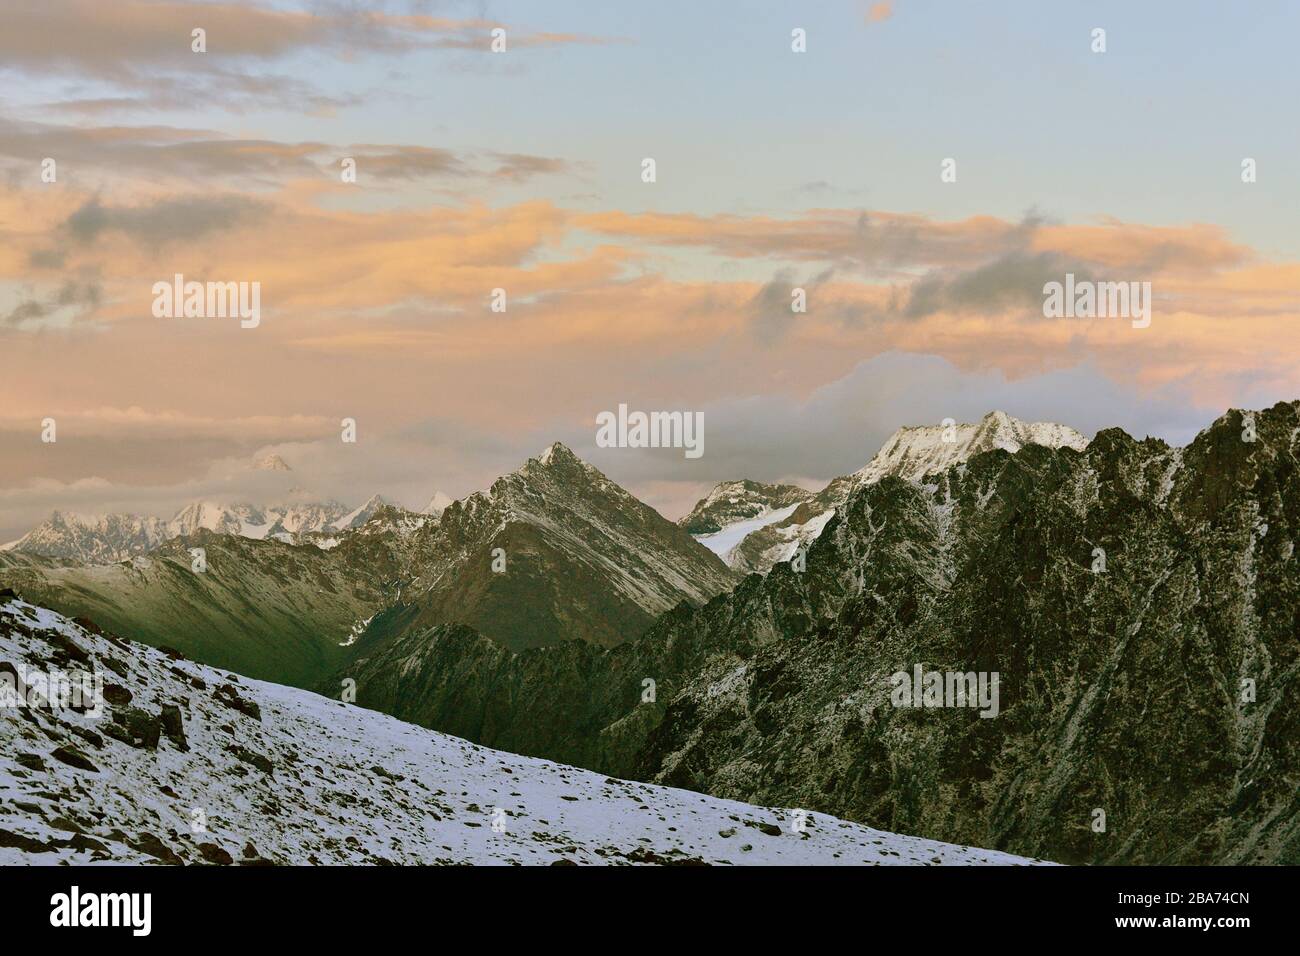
384 313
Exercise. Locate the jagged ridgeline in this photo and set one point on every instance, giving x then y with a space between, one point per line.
1140 604
552 552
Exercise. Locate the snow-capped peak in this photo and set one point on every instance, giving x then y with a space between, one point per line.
556 452
438 504
917 450
359 516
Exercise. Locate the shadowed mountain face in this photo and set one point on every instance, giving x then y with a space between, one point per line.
263 608
1139 603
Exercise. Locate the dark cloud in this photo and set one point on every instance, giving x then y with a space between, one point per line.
408 162
770 311
67 303
143 47
1013 281
838 428
518 167
167 220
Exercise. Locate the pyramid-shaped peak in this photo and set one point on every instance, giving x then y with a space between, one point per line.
558 453
999 417
355 519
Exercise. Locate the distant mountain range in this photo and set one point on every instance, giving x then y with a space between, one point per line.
103 539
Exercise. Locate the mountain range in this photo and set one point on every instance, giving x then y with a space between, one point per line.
1137 603
552 552
1140 604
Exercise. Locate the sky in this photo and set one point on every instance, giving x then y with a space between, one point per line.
521 170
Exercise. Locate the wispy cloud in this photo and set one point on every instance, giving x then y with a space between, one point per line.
143 48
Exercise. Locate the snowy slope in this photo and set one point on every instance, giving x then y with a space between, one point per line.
723 542
285 776
359 516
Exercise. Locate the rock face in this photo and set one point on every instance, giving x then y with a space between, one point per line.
221 770
1139 603
911 453
552 552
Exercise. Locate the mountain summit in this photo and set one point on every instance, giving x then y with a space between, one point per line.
552 552
437 504
915 451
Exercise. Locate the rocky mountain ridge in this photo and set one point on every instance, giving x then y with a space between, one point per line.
1140 604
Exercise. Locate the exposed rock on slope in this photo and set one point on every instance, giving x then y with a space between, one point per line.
552 552
187 764
1162 688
